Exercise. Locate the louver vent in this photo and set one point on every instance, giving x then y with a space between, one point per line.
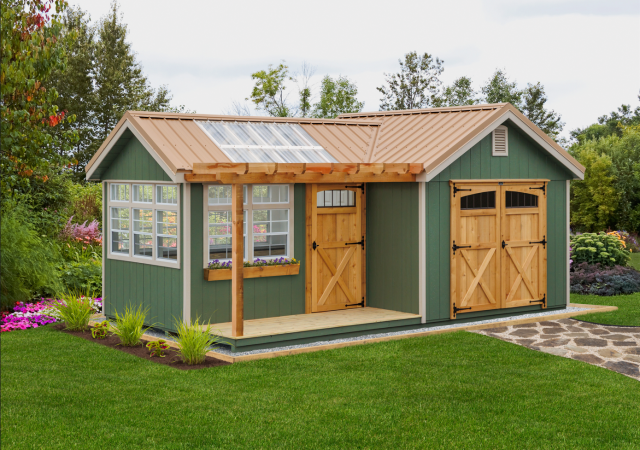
500 141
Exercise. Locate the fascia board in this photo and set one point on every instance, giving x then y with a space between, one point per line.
127 125
508 115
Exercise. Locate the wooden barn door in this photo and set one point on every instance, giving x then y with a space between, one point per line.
475 256
523 245
337 242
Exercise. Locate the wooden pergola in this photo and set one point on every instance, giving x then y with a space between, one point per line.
238 174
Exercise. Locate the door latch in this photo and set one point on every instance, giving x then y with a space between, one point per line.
504 244
543 242
456 247
314 245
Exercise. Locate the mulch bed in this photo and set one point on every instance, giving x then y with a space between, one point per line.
172 358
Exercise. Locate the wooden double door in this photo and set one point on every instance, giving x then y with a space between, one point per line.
498 245
336 247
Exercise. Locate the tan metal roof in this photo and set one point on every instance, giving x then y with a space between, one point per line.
433 135
180 142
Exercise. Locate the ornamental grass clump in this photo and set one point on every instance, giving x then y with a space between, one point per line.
195 340
129 327
600 248
74 310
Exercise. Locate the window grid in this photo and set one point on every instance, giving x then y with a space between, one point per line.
138 237
279 239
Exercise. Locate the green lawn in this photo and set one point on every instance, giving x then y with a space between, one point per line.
635 261
628 312
455 390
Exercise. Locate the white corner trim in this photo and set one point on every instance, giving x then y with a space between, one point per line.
127 125
186 254
495 124
422 252
568 240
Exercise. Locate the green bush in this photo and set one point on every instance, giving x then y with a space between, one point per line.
129 327
195 340
27 260
75 310
83 275
600 248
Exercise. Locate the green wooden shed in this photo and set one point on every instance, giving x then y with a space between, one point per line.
396 220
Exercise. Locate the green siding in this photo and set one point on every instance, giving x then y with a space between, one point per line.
131 161
263 297
526 160
392 246
132 283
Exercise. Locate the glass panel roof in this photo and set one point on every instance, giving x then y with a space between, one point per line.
265 142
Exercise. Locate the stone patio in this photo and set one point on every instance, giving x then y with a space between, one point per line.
612 347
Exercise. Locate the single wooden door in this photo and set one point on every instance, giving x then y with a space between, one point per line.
475 257
337 242
523 244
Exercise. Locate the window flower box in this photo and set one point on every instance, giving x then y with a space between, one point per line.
257 269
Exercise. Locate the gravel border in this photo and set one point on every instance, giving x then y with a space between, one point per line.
227 352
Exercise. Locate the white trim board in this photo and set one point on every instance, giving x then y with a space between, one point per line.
127 125
508 115
186 255
422 252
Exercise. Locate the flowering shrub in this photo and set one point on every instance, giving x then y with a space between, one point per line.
628 241
599 248
216 264
90 233
595 279
34 315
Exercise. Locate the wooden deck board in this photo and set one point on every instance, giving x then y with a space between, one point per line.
308 322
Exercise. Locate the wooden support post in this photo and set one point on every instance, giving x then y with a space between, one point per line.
237 262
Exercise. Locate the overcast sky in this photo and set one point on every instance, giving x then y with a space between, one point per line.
585 52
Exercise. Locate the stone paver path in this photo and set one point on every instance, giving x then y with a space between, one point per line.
608 346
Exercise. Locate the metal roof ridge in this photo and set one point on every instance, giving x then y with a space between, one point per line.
268 119
407 112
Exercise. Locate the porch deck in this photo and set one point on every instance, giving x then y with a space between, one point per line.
333 322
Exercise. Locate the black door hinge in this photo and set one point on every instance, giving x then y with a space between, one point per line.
543 242
355 304
543 301
356 243
504 244
542 188
314 245
360 186
456 247
455 189
456 309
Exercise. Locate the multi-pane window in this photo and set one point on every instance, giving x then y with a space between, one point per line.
268 211
144 221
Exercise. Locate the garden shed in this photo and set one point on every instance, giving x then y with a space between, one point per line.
396 220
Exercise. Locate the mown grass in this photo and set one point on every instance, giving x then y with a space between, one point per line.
628 312
456 390
635 261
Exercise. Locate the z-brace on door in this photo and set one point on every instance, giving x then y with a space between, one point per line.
498 248
337 242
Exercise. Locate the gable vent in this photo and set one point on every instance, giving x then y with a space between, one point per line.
500 141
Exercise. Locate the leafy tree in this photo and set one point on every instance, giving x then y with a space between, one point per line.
460 93
74 85
609 196
32 47
532 106
415 86
609 124
337 96
500 90
530 101
120 84
304 89
268 93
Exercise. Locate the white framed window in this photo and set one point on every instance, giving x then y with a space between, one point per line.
144 223
268 222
